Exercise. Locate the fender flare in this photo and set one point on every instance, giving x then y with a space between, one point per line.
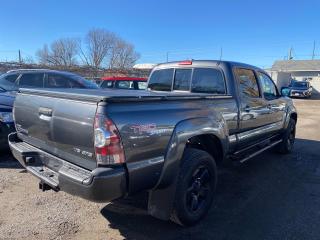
291 110
161 197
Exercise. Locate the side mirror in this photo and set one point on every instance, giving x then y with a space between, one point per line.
285 92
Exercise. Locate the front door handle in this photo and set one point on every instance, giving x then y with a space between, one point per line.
247 109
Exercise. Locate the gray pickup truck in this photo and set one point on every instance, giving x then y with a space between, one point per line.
195 117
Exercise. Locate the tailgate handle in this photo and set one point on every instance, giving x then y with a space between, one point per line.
45 113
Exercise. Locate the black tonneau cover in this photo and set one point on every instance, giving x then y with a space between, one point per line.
114 95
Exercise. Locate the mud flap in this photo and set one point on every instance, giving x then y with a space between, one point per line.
160 202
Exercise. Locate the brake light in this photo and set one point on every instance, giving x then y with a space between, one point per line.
187 62
107 142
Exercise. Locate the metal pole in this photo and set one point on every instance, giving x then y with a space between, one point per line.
314 49
20 60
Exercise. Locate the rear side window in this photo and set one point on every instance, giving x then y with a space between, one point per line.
247 82
182 79
57 81
124 84
208 80
161 80
142 85
31 80
107 84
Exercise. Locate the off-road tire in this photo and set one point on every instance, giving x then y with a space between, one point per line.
288 138
195 187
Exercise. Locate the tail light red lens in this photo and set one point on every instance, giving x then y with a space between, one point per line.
186 62
107 142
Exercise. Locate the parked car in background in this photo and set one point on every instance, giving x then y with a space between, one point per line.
131 83
96 81
11 81
6 120
300 89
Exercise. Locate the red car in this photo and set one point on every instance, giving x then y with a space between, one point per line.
133 83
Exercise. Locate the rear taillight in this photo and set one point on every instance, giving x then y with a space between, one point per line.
107 142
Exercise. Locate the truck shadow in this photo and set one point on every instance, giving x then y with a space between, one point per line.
249 203
8 161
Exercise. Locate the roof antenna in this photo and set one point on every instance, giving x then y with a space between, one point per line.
220 57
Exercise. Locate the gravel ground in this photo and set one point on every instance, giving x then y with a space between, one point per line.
269 197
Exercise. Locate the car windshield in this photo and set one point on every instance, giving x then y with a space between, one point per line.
299 84
7 82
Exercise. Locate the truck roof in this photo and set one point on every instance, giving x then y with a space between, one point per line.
39 71
202 63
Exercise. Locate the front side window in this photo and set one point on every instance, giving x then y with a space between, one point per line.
247 83
31 80
7 82
161 80
182 79
208 80
268 87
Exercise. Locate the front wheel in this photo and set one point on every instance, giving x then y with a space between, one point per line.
288 138
196 185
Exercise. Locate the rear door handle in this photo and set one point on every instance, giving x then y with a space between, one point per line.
45 113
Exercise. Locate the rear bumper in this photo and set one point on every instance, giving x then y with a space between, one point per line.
5 130
100 185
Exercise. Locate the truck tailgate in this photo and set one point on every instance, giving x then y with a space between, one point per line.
57 126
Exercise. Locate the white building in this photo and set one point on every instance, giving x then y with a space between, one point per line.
144 66
283 71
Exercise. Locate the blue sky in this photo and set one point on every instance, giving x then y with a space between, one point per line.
256 32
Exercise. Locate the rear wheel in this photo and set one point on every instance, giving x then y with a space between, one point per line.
286 146
196 185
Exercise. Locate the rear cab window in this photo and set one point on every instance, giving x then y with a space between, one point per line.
161 80
196 80
182 79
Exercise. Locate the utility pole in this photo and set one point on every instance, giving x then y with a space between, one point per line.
167 56
20 59
290 54
220 54
314 49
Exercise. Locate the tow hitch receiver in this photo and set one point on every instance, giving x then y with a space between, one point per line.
43 186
